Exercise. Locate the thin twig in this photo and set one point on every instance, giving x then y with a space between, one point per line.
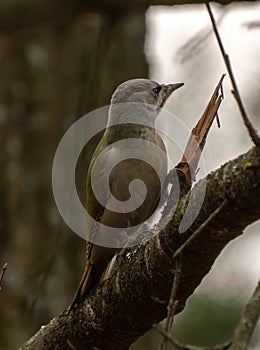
201 228
170 314
173 303
242 334
253 134
182 346
248 321
4 268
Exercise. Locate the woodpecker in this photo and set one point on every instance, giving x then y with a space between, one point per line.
142 98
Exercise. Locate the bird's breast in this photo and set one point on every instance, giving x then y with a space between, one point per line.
131 170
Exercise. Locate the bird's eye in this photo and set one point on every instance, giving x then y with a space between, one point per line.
157 89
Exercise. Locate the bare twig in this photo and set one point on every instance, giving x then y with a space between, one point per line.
201 228
248 321
4 268
242 334
173 303
246 326
177 255
253 134
181 346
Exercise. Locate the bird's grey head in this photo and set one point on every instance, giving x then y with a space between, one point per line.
139 94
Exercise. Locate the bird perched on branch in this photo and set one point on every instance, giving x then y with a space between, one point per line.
129 138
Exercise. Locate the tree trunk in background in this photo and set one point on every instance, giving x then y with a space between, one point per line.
17 14
50 76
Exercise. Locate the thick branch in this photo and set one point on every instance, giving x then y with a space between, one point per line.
136 296
16 14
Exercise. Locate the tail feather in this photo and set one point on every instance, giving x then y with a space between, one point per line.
84 285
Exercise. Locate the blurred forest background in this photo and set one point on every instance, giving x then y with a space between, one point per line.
54 71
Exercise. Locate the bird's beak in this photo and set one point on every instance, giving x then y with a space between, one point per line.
168 89
172 87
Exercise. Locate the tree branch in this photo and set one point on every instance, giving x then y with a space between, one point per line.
242 334
173 303
253 134
4 268
178 345
135 297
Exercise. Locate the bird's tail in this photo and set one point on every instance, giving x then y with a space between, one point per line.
84 284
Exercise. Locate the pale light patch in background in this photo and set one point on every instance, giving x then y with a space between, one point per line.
199 65
169 29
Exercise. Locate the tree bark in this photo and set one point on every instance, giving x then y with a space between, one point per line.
136 296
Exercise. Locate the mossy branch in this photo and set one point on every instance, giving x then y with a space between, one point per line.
125 306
